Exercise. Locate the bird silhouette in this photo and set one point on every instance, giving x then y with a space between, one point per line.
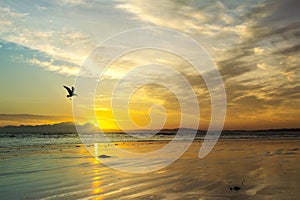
70 91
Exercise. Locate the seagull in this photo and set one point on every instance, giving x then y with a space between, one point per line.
71 92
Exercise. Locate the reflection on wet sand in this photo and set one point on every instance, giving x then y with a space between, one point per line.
266 169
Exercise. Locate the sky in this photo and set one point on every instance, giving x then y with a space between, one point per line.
254 44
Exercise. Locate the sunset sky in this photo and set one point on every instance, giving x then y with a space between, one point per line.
255 44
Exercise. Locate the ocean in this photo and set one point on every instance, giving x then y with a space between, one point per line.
31 139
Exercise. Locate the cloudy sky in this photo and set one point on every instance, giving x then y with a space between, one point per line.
254 44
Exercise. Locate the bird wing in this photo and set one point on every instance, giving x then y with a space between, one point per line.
69 90
73 89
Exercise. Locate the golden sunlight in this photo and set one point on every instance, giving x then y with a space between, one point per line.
151 106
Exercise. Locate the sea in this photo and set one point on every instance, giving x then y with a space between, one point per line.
32 139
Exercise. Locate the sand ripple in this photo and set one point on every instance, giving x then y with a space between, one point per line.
263 170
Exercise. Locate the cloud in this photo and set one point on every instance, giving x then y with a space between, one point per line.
258 50
8 13
290 50
36 58
266 57
255 44
71 2
49 65
60 46
148 11
8 17
211 18
60 43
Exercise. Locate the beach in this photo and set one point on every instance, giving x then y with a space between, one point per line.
262 169
150 100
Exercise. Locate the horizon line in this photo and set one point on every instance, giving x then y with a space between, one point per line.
164 129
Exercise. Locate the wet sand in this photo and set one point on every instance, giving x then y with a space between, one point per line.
263 169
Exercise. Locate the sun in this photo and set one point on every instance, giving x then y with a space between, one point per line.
105 120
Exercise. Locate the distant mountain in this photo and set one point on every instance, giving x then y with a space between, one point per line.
290 131
69 128
64 127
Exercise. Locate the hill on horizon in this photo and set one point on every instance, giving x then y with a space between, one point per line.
63 127
69 127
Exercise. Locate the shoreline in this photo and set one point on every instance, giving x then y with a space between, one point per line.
155 141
